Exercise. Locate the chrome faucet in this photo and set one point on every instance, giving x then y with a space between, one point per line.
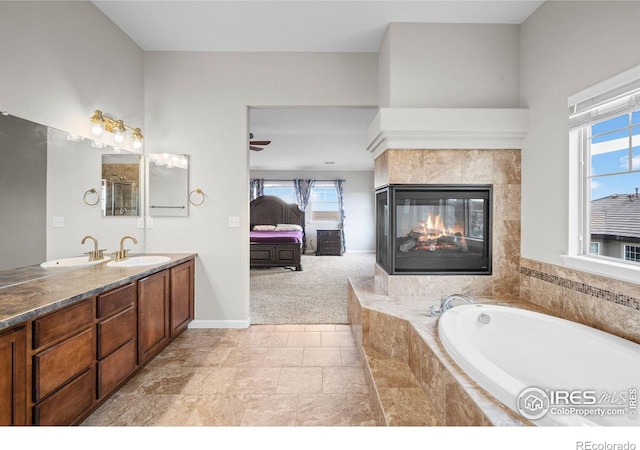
124 253
96 254
446 303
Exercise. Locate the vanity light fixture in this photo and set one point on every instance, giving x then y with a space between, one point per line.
101 123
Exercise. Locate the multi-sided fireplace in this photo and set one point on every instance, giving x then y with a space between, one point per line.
434 229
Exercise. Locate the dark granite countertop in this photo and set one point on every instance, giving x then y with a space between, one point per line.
31 291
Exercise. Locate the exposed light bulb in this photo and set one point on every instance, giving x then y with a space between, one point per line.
137 139
137 145
97 123
118 137
119 133
96 129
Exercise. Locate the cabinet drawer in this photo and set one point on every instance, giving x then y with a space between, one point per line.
116 367
329 244
115 331
62 323
55 366
329 234
113 301
68 404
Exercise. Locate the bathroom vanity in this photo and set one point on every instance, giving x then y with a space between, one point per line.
70 337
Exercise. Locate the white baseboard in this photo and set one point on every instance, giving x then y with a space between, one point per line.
220 324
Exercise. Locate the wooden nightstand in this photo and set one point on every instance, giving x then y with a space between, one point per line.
329 243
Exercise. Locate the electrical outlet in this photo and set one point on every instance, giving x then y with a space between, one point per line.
149 222
140 222
234 221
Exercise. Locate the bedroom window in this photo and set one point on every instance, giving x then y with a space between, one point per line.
606 128
281 189
324 203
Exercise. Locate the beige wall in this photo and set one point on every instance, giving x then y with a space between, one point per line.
450 66
63 60
197 103
60 61
565 48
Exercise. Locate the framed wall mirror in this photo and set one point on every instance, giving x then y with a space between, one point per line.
168 184
120 185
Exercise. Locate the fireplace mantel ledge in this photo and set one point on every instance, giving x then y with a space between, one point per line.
447 128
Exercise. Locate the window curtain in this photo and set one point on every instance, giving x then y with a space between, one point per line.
303 192
256 188
339 184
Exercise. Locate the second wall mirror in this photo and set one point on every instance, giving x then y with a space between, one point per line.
168 184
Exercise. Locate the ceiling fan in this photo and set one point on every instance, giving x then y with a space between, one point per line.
257 146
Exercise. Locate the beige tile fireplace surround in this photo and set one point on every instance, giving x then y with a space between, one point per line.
413 381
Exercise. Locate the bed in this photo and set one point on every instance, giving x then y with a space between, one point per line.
277 237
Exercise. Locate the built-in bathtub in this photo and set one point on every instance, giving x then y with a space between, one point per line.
542 366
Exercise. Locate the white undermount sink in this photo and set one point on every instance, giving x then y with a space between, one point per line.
78 261
140 261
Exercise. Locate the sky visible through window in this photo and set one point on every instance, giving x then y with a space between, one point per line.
615 156
324 198
283 190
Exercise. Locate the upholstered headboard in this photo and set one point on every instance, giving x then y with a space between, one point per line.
272 210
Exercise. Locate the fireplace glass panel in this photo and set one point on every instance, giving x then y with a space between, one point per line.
434 229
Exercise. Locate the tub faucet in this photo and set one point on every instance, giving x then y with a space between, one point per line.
96 254
124 253
446 303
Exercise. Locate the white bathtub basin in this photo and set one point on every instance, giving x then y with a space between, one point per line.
140 261
78 261
532 362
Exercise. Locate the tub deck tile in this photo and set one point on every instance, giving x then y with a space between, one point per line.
401 398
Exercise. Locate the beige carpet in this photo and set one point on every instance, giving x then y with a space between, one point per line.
317 294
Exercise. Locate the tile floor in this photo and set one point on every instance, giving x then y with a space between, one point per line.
266 375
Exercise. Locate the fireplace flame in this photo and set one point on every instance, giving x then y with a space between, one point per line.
431 227
432 235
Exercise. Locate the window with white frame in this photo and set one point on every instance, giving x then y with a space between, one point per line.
323 203
608 130
632 253
282 189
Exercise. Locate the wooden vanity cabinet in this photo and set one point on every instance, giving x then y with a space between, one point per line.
182 297
63 364
153 314
13 376
57 368
116 337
